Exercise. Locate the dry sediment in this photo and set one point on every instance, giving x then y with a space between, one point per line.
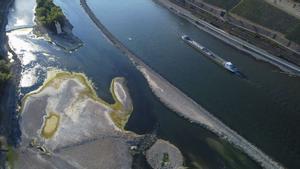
84 134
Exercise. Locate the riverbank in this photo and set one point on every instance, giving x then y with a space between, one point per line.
6 86
238 43
180 103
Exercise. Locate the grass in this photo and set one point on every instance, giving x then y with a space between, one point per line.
4 71
119 115
294 34
56 77
11 157
225 4
262 13
50 125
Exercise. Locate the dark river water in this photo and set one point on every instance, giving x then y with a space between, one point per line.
264 108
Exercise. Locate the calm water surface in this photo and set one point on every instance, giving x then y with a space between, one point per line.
264 108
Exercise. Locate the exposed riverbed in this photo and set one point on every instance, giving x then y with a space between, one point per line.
66 125
242 105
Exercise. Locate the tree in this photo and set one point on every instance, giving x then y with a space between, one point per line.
47 13
4 71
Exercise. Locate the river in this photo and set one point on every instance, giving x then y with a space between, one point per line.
263 109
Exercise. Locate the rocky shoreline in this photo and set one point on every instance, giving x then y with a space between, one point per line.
65 40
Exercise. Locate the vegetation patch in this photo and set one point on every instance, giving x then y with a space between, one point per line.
50 125
225 4
11 157
294 35
260 12
166 160
47 13
119 115
119 120
55 78
4 72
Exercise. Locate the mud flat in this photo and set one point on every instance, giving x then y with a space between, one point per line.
65 125
181 103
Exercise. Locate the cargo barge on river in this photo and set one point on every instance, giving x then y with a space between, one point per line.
217 59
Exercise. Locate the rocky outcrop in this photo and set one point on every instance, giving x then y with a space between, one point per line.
65 39
59 33
163 155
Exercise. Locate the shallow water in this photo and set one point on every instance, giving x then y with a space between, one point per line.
264 109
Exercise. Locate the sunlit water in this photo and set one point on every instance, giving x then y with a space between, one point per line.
263 109
33 54
21 14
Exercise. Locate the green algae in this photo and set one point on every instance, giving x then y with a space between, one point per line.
119 115
51 124
11 157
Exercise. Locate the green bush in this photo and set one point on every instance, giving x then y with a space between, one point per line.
4 71
261 12
225 4
294 35
47 13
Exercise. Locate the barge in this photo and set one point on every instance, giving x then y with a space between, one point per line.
217 59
